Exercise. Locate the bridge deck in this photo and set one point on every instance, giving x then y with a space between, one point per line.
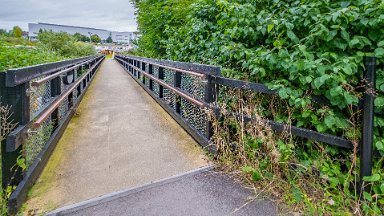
120 138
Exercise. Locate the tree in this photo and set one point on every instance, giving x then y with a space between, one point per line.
17 32
109 39
80 37
95 38
65 44
154 19
3 32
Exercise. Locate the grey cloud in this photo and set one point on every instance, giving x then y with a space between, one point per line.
115 15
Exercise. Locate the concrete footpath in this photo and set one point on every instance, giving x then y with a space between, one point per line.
120 138
201 192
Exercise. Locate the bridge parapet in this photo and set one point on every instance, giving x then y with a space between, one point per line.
189 92
42 100
184 90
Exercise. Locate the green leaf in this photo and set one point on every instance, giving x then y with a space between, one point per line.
367 196
381 43
292 36
380 145
347 69
21 163
379 52
270 27
284 93
318 82
345 35
256 176
349 98
278 43
353 42
329 121
331 35
373 178
379 101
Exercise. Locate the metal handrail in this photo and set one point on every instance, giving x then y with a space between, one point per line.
40 120
53 76
176 90
175 69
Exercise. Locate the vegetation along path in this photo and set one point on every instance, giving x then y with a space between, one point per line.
120 138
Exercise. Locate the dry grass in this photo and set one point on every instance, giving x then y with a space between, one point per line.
279 166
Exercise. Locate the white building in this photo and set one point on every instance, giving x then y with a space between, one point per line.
117 37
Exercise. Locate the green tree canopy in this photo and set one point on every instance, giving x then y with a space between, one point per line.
3 32
154 18
17 32
81 37
109 39
95 38
65 44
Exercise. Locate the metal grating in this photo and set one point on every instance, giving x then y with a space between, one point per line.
36 141
155 84
40 96
169 76
193 85
169 98
194 115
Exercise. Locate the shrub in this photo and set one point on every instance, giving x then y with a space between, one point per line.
64 44
302 48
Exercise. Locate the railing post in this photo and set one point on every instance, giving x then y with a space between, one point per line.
161 88
143 68
130 66
210 95
55 90
18 102
137 71
177 83
150 71
366 146
134 70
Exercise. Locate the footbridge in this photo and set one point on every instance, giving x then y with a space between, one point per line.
129 136
123 136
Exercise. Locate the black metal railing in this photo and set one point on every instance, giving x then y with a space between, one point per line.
184 90
42 99
188 92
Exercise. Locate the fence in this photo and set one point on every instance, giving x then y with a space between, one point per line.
183 90
42 99
188 91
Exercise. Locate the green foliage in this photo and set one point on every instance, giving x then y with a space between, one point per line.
95 38
80 37
3 32
64 44
302 48
20 56
154 17
109 39
17 32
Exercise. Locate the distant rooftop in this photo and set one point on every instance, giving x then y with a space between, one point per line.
73 26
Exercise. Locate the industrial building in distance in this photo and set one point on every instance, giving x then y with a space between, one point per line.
117 37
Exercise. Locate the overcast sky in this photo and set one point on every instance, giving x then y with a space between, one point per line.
114 15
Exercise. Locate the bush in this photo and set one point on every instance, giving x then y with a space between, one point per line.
302 48
64 44
22 56
17 32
